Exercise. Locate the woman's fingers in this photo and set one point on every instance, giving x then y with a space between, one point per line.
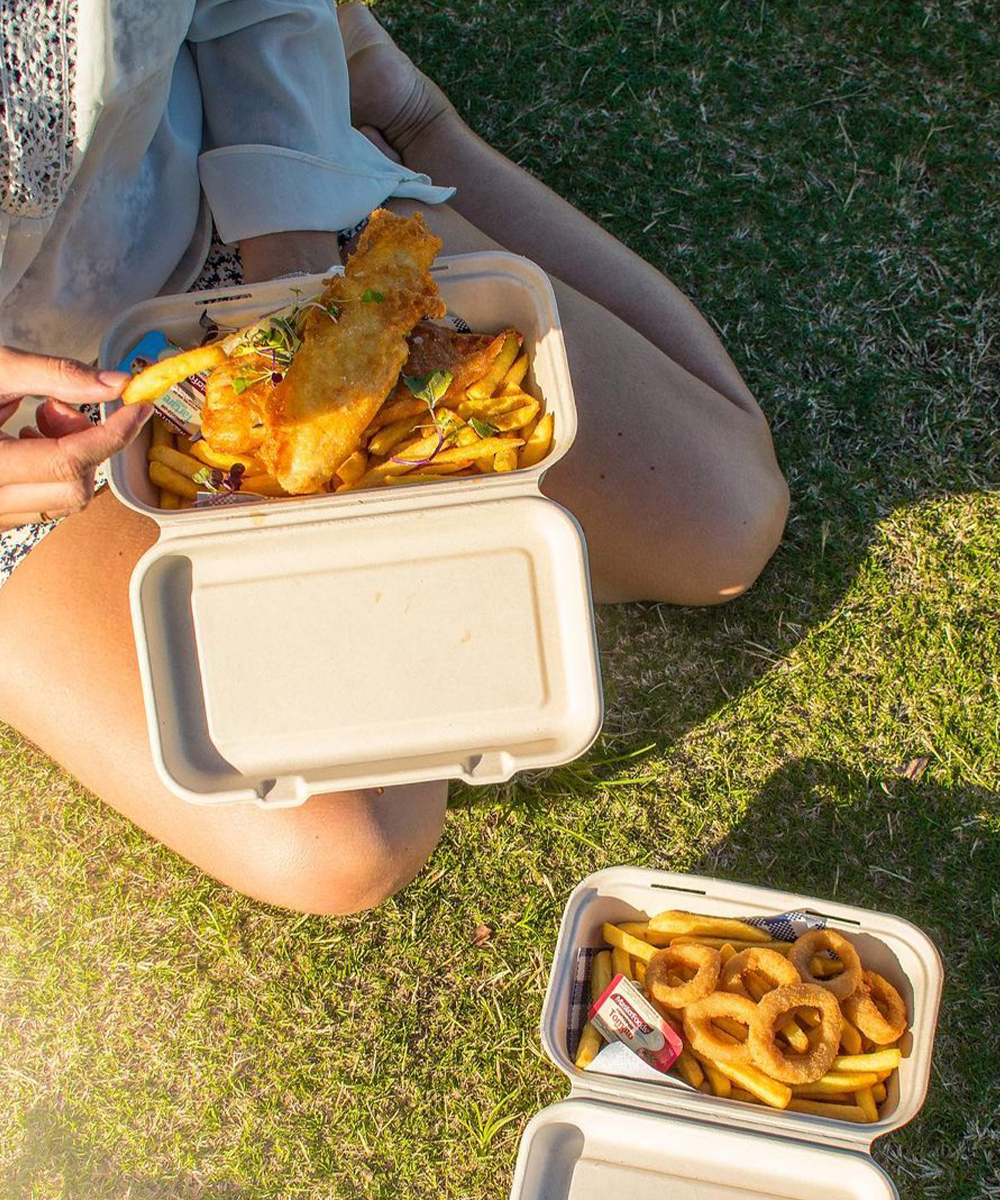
56 419
42 500
24 374
65 459
8 408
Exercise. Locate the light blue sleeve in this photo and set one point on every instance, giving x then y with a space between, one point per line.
279 151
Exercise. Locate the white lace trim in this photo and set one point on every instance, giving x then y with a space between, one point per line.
37 112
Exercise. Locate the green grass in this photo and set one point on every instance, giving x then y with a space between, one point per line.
823 179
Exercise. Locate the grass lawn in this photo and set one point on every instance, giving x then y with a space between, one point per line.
823 179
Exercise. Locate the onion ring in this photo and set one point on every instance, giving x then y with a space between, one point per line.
767 1054
703 1039
839 986
775 968
862 1009
706 963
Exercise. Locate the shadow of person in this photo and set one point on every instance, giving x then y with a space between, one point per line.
926 851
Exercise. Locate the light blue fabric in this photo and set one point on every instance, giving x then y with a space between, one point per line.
188 110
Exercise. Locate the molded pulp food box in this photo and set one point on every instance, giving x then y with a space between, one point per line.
648 1141
327 642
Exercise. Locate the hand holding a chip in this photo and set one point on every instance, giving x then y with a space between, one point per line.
48 472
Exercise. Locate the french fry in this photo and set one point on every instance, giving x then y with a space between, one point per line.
170 480
160 377
640 971
182 443
835 1084
735 1030
516 419
701 939
160 433
837 1112
590 1042
505 461
866 1102
183 464
168 499
484 448
690 1069
353 467
493 406
600 974
745 1096
392 435
395 410
624 941
879 1060
640 929
721 1084
536 448
202 451
850 1038
776 1094
879 1093
262 485
726 952
621 964
680 922
501 365
515 376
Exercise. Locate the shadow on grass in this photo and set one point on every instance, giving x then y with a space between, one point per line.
57 1161
929 852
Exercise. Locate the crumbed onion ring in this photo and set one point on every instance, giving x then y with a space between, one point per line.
768 1055
863 1009
705 961
775 968
703 1039
839 986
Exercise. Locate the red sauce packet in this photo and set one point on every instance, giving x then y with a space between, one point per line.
623 1014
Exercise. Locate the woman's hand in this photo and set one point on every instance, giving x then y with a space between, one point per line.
48 472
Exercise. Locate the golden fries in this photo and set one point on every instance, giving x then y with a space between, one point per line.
262 485
172 481
690 1069
160 377
590 1042
169 499
353 467
160 433
836 1083
776 1094
624 941
621 964
515 376
600 974
183 464
838 1112
535 449
501 365
879 1060
215 458
677 921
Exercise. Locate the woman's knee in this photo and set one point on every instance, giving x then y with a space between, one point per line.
732 532
345 853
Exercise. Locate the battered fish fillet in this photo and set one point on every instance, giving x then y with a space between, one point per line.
345 367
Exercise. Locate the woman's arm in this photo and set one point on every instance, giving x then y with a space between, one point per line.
280 156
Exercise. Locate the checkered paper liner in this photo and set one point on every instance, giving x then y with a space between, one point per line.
784 927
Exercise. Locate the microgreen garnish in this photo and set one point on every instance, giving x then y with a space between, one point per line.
371 296
483 428
430 387
240 385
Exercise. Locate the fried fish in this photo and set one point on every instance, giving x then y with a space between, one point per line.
354 343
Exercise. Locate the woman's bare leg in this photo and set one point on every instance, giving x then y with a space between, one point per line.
673 474
73 689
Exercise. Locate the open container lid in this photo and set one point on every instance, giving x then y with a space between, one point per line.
584 1150
637 1138
369 638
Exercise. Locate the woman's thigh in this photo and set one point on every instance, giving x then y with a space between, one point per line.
676 486
69 682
